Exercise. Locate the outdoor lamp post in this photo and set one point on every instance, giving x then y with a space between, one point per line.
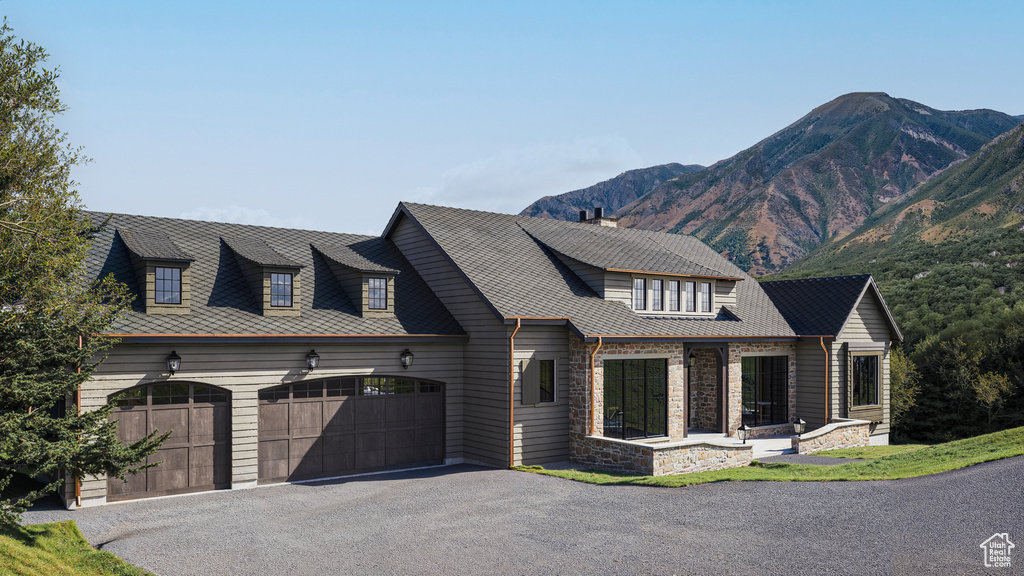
799 426
312 360
406 358
173 362
743 432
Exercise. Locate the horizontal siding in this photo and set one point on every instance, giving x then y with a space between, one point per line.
243 370
868 323
618 286
541 432
810 383
725 294
593 277
485 368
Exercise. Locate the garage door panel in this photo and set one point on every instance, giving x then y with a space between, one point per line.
306 457
370 450
307 419
339 454
210 424
430 409
369 413
201 467
273 459
401 410
338 415
273 420
174 420
136 484
172 472
131 424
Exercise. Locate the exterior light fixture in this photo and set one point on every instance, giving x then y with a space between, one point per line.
312 360
173 362
692 358
406 358
743 432
799 426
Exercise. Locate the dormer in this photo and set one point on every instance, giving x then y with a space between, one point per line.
162 271
272 277
369 285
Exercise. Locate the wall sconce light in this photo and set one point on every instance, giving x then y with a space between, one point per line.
312 360
691 360
743 432
799 426
406 358
173 362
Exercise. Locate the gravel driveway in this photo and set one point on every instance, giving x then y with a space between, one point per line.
470 520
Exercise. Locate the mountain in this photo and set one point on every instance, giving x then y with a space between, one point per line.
816 180
611 194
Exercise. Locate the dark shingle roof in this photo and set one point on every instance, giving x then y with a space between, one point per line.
258 252
817 306
348 257
223 303
631 250
153 244
518 275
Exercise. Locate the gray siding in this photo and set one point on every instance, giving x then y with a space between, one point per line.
725 295
485 392
618 286
542 430
810 383
244 369
592 276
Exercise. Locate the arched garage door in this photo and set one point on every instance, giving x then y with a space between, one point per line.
339 426
197 454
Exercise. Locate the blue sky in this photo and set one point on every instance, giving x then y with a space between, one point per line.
325 115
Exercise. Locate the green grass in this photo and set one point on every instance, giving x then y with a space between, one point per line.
58 548
884 463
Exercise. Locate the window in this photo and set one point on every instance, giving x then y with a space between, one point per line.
673 295
639 293
281 290
635 398
168 285
538 381
691 296
657 294
378 294
705 296
864 381
765 390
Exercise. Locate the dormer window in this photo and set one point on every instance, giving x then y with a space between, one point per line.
639 293
377 294
168 285
691 296
673 295
281 290
657 294
705 296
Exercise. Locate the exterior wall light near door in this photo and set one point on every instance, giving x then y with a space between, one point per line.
173 362
406 358
312 360
799 426
743 432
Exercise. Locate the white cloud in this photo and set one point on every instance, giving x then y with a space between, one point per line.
242 215
511 180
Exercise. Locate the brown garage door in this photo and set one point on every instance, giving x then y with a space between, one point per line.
339 426
197 454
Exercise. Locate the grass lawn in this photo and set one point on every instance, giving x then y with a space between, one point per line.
883 463
58 548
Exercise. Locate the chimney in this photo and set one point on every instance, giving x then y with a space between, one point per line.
599 218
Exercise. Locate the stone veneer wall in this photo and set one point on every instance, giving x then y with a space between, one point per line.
661 459
841 433
704 390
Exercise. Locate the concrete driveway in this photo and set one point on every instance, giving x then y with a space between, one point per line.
470 520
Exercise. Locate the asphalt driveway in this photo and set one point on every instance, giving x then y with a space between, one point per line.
470 520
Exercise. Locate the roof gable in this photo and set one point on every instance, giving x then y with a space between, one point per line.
824 306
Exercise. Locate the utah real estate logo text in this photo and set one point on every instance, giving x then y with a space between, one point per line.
997 550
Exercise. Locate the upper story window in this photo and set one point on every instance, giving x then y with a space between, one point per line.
168 285
673 295
640 294
657 294
705 296
377 296
691 296
280 290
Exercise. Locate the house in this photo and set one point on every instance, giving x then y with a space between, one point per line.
465 336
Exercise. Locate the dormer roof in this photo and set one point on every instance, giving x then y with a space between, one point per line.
349 258
153 245
259 252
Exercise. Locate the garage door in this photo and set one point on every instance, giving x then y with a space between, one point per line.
339 426
196 456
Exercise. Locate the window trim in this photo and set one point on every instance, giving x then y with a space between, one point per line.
691 296
673 296
877 379
757 387
707 298
646 396
530 380
157 281
657 295
370 300
639 289
290 285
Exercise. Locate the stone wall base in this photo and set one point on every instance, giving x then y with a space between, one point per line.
841 433
770 431
660 459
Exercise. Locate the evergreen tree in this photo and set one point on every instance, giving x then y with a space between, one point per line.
50 320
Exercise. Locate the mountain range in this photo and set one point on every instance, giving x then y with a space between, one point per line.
814 182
